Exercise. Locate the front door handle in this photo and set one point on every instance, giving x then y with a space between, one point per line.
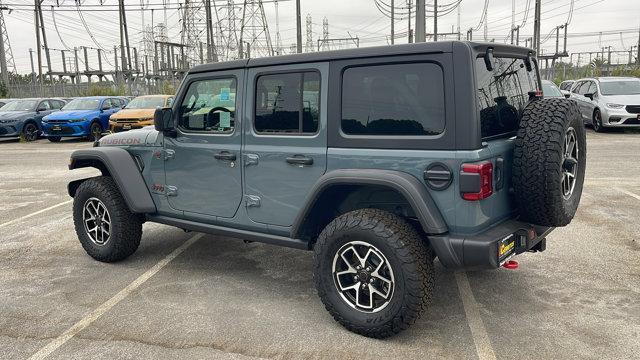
299 160
225 155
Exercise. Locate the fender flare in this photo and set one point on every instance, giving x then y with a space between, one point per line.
407 185
117 163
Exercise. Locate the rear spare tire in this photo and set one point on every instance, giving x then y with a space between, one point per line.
549 162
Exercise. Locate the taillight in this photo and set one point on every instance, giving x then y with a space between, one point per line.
478 181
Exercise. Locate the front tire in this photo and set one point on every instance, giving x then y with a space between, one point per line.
373 272
597 121
95 131
106 228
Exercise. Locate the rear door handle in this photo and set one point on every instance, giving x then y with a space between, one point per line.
299 160
225 155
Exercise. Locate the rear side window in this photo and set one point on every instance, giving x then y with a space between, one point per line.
287 103
502 94
394 99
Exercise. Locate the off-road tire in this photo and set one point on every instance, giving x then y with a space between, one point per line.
126 227
408 255
54 138
538 161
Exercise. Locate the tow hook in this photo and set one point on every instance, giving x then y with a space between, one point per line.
511 265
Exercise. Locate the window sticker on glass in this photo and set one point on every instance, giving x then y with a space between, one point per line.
225 120
224 94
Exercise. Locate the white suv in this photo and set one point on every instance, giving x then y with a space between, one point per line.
608 101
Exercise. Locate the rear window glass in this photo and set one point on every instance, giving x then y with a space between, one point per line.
395 99
502 94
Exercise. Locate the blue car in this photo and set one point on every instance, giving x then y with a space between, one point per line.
82 117
22 117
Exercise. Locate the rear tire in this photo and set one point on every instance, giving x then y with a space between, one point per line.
549 162
106 228
393 260
30 132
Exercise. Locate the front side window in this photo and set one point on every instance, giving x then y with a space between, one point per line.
576 87
503 94
287 103
395 99
209 106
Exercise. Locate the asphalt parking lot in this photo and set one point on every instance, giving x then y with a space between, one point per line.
183 295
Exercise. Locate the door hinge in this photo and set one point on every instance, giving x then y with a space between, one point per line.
252 200
171 190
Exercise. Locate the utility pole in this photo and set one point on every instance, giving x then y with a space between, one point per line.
536 27
33 72
211 49
123 60
420 21
513 18
458 21
298 28
638 55
393 15
38 45
435 20
409 31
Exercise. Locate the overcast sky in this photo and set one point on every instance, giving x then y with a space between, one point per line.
357 18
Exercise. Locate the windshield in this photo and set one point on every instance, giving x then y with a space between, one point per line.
503 93
146 103
20 105
550 90
620 87
82 104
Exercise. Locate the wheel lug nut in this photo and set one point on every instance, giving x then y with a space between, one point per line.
371 280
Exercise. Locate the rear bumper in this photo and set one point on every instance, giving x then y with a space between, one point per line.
481 251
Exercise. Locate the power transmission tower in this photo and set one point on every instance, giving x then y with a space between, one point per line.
309 25
254 31
325 34
278 39
190 36
7 63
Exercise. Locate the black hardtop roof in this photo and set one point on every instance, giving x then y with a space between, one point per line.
365 52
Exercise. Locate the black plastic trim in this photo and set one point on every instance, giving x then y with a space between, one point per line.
438 176
231 232
122 168
414 191
480 251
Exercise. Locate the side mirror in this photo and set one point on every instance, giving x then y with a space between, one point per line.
488 59
163 120
567 95
589 95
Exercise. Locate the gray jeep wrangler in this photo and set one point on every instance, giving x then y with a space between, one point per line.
379 160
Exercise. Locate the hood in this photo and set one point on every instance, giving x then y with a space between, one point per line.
70 114
133 114
622 99
146 136
12 115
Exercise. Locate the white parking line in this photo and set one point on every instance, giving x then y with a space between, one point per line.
34 214
106 306
628 193
478 331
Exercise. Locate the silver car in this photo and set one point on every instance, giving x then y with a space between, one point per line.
608 101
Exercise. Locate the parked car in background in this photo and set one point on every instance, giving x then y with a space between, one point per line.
608 101
82 117
565 88
549 89
139 112
23 117
3 102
